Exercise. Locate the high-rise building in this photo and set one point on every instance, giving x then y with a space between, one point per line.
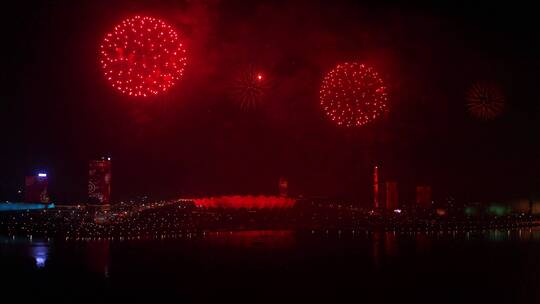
392 200
376 187
283 186
99 181
423 196
36 188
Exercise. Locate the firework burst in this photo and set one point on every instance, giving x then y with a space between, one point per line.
485 101
249 88
142 56
353 94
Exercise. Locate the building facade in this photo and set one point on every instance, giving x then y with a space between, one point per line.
423 196
36 189
283 186
376 198
392 198
99 181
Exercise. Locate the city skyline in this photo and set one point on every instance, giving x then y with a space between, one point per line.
281 151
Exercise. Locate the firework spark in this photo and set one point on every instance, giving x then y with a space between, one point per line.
485 101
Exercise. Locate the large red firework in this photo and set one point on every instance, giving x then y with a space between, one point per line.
142 56
353 94
485 101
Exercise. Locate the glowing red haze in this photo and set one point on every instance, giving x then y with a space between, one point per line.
248 201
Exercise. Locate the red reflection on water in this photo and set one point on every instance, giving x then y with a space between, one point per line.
423 243
384 246
254 238
247 201
390 244
376 245
98 256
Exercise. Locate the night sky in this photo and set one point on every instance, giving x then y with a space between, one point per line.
58 111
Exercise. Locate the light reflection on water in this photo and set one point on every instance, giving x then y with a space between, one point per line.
39 251
97 257
465 265
253 238
382 245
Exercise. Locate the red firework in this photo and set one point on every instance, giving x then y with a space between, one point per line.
142 56
249 88
353 94
485 101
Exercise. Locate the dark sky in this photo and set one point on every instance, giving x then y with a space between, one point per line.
58 111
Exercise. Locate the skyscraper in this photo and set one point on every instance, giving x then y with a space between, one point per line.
36 188
99 181
283 185
376 187
392 201
423 196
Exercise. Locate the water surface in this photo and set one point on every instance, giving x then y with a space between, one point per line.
496 266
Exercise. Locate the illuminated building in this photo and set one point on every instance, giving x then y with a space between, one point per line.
99 181
498 209
9 207
526 205
392 196
423 196
36 188
376 187
283 185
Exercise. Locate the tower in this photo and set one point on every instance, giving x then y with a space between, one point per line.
99 181
283 186
423 196
376 187
392 199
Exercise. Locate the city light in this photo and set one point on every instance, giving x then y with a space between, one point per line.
42 174
40 262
